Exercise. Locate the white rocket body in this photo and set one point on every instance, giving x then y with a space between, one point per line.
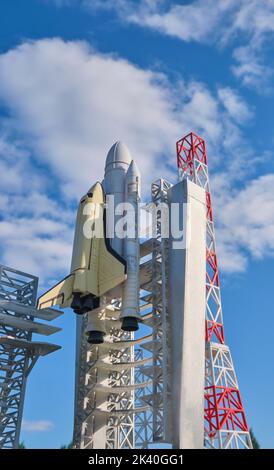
130 300
121 181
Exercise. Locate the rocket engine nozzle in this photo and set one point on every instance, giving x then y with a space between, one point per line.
95 337
84 304
129 324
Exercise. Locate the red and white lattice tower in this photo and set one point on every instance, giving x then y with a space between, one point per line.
225 421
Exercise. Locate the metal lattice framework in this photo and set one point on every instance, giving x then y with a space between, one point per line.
161 392
225 422
120 432
154 393
18 353
105 413
14 362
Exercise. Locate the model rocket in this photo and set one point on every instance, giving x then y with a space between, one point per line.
101 263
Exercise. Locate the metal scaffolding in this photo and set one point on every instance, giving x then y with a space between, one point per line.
18 353
154 345
104 407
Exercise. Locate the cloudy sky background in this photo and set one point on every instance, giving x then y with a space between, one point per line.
77 75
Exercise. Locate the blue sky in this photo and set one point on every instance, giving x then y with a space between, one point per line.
77 75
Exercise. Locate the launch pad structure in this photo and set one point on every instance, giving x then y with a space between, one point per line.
172 383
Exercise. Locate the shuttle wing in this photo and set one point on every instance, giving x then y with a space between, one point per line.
60 294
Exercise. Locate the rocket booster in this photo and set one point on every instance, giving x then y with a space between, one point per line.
122 180
130 301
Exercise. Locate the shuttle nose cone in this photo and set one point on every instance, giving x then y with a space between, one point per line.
118 157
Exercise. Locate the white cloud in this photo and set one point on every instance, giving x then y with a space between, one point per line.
250 67
14 164
36 204
234 104
251 23
255 16
90 100
186 22
68 112
36 245
246 223
37 426
35 231
87 102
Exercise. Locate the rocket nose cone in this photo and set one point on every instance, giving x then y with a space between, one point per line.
133 179
133 170
118 156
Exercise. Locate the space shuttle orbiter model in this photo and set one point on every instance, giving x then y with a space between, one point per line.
99 264
96 267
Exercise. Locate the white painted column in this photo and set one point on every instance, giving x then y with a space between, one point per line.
187 272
